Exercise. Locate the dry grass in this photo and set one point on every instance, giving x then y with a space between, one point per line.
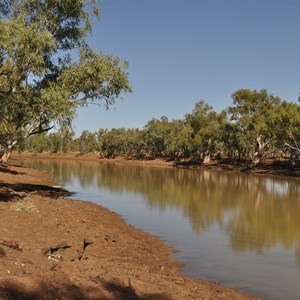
24 205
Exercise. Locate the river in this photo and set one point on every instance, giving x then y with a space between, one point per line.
240 230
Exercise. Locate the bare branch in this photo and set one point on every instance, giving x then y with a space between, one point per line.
41 130
292 147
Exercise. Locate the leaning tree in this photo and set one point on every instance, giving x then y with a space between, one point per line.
47 68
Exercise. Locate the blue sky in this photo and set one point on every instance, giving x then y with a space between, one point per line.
181 51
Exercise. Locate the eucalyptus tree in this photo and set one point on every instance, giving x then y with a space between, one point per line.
87 142
251 112
135 146
235 143
180 140
156 134
286 124
47 69
113 142
38 143
205 124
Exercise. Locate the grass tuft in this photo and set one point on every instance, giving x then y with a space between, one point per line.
24 205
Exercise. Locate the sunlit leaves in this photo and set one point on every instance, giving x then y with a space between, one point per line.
47 69
251 112
96 76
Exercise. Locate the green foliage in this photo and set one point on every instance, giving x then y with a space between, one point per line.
203 134
47 71
251 112
122 142
87 142
205 124
180 141
156 133
286 126
40 83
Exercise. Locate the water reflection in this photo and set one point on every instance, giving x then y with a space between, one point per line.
255 212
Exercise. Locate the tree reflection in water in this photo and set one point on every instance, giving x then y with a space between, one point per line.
256 212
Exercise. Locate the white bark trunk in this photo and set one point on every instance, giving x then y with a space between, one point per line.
259 150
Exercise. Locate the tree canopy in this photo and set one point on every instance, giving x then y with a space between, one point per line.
47 69
256 126
251 112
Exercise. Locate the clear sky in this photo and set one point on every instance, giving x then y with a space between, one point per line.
181 51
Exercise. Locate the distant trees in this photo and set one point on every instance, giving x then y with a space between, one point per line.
86 143
156 133
180 141
256 126
40 84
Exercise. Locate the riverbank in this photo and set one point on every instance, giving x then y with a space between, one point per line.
269 167
52 247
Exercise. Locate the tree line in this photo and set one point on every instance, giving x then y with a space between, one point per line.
257 125
48 70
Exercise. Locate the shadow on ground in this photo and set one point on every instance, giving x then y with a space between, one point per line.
10 192
12 291
5 169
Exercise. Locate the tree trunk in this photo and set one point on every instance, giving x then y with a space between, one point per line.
206 159
295 150
6 151
4 158
207 153
294 158
259 150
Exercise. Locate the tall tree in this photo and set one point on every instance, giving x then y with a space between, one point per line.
156 133
251 111
205 124
286 124
180 140
40 83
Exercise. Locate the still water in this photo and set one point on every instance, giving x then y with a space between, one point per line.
240 230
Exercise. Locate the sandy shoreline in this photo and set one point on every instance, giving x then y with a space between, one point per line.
103 257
